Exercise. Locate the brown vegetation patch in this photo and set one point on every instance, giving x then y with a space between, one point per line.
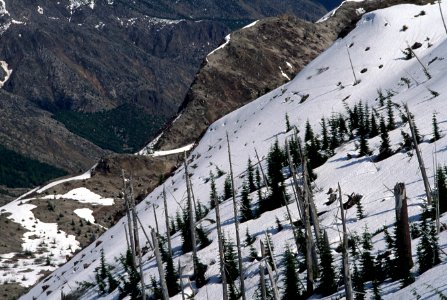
11 234
60 211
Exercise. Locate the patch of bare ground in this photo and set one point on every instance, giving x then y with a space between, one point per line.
11 290
61 211
11 234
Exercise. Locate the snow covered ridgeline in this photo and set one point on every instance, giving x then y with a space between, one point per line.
328 80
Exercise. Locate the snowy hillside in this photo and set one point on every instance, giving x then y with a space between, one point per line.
376 50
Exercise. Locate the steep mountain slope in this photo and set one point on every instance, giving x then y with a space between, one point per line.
375 48
70 60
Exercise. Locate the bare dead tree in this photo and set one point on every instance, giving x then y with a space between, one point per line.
295 237
137 238
269 271
424 67
403 238
145 233
191 218
129 219
180 275
346 271
161 271
168 232
442 16
221 250
156 219
297 189
236 225
262 274
266 182
352 66
419 157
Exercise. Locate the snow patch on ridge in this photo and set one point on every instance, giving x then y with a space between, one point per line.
7 70
83 195
227 40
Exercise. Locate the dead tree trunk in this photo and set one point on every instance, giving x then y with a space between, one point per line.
156 220
145 233
221 250
262 274
346 271
180 275
129 219
275 268
442 16
269 271
352 67
310 201
295 237
403 238
137 238
168 232
161 271
297 189
419 156
266 182
236 225
420 62
192 227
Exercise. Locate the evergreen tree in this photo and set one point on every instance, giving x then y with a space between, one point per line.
171 277
288 127
275 163
250 177
376 291
324 135
390 262
248 238
333 130
367 261
416 130
279 226
366 121
442 190
228 189
436 133
179 220
328 285
390 112
428 247
385 148
230 259
268 290
101 273
359 211
342 128
382 98
200 273
172 227
245 208
363 131
157 293
294 152
357 284
291 280
233 293
185 231
130 284
202 237
309 133
213 192
374 131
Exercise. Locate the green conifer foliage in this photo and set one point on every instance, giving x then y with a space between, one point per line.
292 289
245 208
327 285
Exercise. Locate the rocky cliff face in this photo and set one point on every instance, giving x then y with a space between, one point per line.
87 56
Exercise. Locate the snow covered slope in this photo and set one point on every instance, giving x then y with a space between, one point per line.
375 47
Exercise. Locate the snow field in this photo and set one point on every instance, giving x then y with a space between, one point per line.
375 45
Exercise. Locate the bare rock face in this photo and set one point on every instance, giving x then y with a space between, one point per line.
94 56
